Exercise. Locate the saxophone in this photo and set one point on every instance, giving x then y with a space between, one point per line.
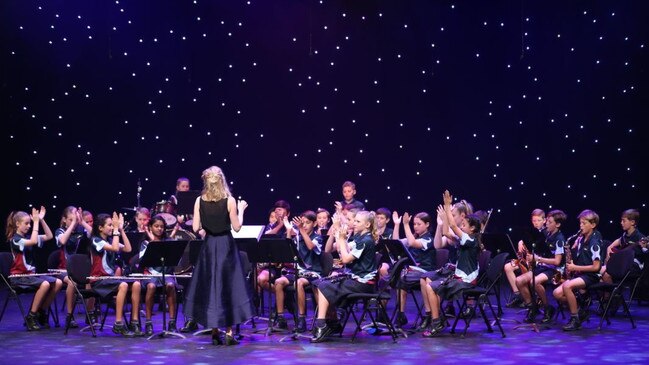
559 278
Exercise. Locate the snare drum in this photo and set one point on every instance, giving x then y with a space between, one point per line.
166 210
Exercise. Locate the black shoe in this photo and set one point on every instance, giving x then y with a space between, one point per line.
43 319
321 334
70 322
31 322
300 325
135 328
425 324
120 329
436 328
573 324
516 301
335 326
532 312
190 326
468 312
93 318
281 322
548 314
401 319
217 337
171 327
148 328
230 340
449 311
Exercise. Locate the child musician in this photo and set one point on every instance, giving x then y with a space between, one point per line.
309 244
156 232
69 236
438 287
547 267
359 255
105 245
630 238
582 271
420 244
512 268
23 237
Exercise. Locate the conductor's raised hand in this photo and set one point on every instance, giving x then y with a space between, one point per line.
242 205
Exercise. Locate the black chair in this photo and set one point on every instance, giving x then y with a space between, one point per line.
374 301
78 267
441 257
481 293
619 268
14 293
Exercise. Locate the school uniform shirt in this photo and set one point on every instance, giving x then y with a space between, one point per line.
363 248
589 251
281 233
467 266
555 243
357 204
640 254
23 255
311 258
103 262
387 234
71 246
425 256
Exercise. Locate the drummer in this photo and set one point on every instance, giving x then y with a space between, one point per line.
182 184
142 217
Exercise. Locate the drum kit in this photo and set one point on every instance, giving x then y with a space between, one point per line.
167 210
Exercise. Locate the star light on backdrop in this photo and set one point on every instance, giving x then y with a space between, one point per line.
511 105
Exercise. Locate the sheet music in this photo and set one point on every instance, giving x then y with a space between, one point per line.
249 232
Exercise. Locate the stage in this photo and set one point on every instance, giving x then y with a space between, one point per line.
616 343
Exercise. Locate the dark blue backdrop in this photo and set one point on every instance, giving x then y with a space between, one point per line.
512 105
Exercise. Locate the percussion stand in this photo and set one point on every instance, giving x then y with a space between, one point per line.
159 253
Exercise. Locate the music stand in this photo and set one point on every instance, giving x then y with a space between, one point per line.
498 242
273 250
159 253
396 250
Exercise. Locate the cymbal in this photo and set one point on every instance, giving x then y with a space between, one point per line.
129 208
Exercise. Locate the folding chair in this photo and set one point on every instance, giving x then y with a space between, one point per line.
619 268
78 267
374 301
481 294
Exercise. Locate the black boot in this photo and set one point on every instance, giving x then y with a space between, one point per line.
148 328
43 319
281 321
230 340
217 337
190 326
515 301
300 325
119 328
548 314
321 334
573 324
31 322
532 312
437 326
425 324
70 322
135 328
171 327
401 319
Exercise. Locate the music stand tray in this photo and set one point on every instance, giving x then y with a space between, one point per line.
499 242
161 253
397 250
272 250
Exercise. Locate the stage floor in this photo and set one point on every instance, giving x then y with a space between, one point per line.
616 343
